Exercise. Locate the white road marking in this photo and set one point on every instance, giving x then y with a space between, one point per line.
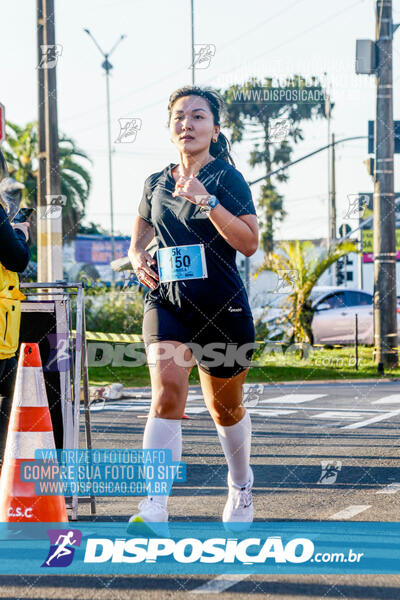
195 397
335 414
392 488
120 407
382 417
269 412
223 582
220 583
349 512
392 399
293 398
363 410
195 410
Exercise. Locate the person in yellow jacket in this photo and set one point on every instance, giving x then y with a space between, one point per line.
14 258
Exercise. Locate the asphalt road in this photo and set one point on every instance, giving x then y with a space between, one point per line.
320 452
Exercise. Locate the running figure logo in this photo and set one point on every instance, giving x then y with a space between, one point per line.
128 129
49 57
357 205
287 280
203 53
279 130
329 472
61 551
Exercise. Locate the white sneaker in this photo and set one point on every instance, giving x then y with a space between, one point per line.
238 511
152 519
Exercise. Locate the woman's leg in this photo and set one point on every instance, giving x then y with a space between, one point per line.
223 397
169 384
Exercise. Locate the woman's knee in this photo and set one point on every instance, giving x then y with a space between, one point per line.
168 399
226 415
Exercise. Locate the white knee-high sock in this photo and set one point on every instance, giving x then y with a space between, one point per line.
236 444
161 434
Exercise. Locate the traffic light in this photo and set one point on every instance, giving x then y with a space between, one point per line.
339 271
370 164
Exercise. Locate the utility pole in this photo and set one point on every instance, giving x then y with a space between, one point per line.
192 38
41 224
49 223
385 321
360 264
328 115
332 199
107 66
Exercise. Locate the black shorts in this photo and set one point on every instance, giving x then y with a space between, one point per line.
222 345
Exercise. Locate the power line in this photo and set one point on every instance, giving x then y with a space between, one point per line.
172 74
328 19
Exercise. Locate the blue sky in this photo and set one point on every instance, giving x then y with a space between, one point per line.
253 38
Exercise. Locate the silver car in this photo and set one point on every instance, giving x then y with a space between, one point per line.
334 317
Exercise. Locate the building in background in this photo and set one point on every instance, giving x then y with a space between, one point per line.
91 254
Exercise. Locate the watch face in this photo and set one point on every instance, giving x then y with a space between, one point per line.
212 202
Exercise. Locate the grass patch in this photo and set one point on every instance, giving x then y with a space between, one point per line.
319 364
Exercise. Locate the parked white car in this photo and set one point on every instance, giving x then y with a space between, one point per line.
334 316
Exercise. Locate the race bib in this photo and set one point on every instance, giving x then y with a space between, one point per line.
178 263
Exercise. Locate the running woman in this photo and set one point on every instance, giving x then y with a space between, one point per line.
200 212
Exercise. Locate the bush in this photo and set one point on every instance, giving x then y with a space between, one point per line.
114 312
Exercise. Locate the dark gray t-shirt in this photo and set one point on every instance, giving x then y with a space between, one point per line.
177 222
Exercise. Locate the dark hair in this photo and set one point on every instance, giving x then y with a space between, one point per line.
221 148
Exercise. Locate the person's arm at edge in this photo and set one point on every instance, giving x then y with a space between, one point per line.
14 251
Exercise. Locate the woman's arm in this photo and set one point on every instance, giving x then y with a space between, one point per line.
141 260
239 232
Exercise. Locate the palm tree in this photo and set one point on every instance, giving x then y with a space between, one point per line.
253 109
299 266
21 151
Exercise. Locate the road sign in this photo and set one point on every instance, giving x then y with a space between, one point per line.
371 137
344 229
2 123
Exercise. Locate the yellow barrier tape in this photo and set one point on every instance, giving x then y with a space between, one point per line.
93 336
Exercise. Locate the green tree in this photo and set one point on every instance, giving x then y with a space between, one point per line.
299 265
92 229
21 151
260 108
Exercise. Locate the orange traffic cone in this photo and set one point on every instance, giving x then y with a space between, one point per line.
30 429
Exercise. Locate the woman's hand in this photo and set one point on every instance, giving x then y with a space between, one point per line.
192 189
141 263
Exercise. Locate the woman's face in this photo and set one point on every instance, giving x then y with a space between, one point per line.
192 124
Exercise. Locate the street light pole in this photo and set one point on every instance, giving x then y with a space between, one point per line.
192 39
107 66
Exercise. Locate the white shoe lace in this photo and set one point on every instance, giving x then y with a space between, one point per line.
144 503
241 497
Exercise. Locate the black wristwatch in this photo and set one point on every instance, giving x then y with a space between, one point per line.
211 203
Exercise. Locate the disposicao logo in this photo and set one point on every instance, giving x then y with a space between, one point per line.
62 542
190 550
